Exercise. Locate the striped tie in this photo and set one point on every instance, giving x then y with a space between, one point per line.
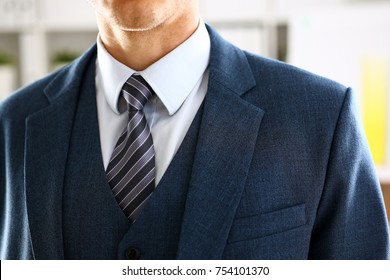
131 170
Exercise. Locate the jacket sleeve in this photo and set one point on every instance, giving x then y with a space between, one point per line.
351 220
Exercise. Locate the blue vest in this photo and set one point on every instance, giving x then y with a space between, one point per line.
94 227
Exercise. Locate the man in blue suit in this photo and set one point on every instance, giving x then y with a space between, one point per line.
254 159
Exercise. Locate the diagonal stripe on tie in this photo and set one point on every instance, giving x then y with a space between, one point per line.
121 141
127 175
140 198
129 152
124 144
132 183
131 170
128 196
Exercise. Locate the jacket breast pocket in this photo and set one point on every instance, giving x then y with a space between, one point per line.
254 227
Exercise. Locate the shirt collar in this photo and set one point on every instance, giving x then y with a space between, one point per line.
173 77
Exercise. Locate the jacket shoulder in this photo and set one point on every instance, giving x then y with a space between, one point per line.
32 97
286 77
289 88
26 99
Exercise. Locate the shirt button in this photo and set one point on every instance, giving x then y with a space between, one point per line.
132 253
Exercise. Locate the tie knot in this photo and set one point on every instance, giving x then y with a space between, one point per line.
136 91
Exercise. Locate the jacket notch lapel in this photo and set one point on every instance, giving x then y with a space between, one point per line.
47 138
48 133
224 151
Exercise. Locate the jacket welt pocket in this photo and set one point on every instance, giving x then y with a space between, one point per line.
262 225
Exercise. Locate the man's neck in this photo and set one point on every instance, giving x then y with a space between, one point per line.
140 49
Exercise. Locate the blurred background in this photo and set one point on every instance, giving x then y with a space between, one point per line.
345 40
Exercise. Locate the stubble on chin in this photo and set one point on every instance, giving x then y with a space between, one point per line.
148 20
135 23
136 20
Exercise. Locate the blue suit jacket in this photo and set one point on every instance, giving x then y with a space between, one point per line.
281 168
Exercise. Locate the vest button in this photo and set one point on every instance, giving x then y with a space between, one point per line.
132 253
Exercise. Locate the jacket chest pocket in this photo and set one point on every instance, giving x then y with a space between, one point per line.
254 227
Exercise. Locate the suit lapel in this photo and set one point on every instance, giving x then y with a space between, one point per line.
47 140
224 151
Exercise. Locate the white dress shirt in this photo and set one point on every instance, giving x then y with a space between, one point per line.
179 80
